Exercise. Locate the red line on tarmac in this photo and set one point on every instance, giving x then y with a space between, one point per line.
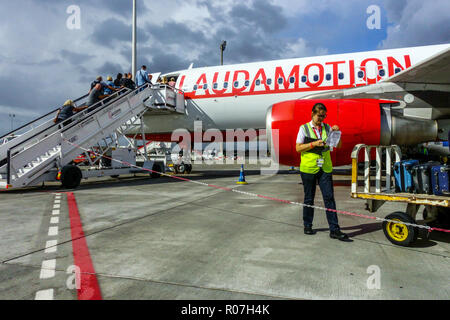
89 288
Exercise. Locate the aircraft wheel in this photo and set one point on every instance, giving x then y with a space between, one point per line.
188 168
180 168
399 233
70 177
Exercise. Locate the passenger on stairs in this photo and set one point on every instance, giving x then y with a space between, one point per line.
110 84
99 80
117 81
172 82
127 81
67 111
143 77
95 96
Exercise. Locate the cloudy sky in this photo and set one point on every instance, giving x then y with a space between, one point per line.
43 62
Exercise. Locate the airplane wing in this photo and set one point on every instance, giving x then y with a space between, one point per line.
434 70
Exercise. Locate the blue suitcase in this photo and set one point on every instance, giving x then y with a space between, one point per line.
422 177
439 180
403 175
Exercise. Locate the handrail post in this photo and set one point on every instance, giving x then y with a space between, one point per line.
8 167
367 169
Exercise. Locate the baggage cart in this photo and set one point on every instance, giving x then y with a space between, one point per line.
399 227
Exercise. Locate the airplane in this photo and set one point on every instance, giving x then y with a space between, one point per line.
396 96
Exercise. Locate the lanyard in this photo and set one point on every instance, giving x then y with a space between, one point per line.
318 132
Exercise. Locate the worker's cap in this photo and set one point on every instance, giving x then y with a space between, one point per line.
99 78
109 78
68 103
172 79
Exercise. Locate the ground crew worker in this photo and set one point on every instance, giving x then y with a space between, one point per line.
316 167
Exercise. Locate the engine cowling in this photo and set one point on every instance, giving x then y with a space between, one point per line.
358 119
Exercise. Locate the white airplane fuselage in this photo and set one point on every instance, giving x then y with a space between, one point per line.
253 87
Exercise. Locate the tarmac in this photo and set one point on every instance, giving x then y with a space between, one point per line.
168 239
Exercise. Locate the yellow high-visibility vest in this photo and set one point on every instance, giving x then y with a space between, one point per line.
308 163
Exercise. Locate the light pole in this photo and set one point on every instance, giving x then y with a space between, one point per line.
134 54
222 49
12 116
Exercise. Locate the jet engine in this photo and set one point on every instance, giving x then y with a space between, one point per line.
367 121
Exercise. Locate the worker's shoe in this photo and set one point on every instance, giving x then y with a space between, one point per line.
338 234
309 230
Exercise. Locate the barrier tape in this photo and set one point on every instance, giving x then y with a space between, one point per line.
430 229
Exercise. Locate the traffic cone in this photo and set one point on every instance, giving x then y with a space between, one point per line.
242 176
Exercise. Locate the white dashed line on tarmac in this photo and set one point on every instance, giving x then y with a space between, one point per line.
48 269
50 246
53 231
54 220
44 295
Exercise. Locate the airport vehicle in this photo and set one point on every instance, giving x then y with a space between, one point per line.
382 97
394 228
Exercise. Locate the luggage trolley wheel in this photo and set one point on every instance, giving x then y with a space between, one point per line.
399 233
70 176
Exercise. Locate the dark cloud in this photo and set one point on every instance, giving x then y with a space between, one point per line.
75 58
261 15
112 30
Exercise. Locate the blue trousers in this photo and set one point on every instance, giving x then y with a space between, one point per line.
325 181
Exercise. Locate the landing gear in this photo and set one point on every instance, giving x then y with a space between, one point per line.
182 168
70 176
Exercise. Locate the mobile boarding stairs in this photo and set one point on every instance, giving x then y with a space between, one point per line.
44 151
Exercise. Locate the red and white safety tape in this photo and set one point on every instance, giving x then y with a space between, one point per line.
430 229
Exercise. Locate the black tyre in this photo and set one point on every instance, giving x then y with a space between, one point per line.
156 167
399 233
188 168
70 177
180 168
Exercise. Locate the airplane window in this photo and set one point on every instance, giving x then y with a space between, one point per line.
215 85
361 74
269 81
397 70
292 79
304 78
328 77
236 84
341 75
258 82
382 73
195 87
225 85
247 83
280 80
316 78
205 86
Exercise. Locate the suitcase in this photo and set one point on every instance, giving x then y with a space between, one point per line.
403 175
439 180
421 174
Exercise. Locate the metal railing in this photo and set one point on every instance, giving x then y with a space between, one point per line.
378 169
